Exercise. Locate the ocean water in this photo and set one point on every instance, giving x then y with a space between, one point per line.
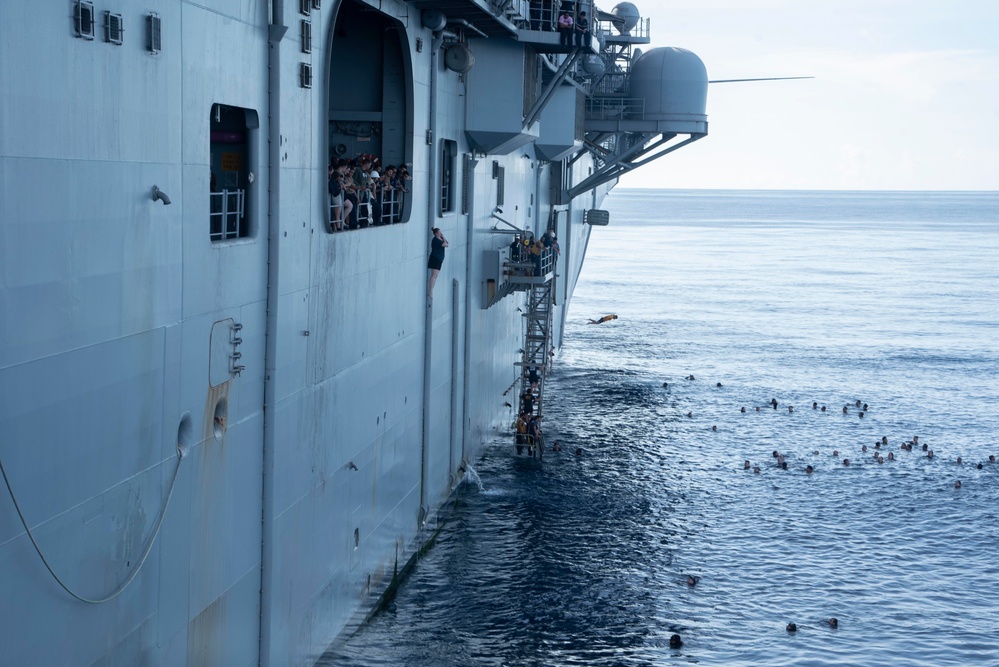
887 298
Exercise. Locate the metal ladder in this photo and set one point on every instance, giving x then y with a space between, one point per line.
537 342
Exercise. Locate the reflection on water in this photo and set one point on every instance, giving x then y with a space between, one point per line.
584 560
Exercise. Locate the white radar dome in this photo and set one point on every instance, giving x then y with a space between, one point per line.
628 13
674 84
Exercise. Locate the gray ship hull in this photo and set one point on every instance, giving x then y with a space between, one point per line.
234 424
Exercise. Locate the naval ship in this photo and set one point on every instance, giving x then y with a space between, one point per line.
231 415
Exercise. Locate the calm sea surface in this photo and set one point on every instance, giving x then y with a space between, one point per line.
887 298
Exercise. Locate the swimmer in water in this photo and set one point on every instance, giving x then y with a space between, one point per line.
691 377
881 459
756 469
925 447
776 454
845 409
891 456
714 428
959 460
815 406
980 466
957 484
718 384
692 580
929 454
860 414
675 641
823 408
835 452
832 622
846 462
815 452
992 458
790 408
757 408
865 407
857 404
809 469
690 414
557 446
745 465
791 627
744 408
605 318
773 402
579 451
665 385
915 439
864 448
884 440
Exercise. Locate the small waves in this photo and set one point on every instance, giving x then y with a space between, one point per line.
583 560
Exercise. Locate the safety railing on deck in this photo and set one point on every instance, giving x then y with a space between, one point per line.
227 219
543 14
640 31
615 108
391 207
526 263
385 209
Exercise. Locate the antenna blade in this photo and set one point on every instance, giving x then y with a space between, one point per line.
770 78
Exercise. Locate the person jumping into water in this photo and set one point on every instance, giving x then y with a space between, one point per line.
605 318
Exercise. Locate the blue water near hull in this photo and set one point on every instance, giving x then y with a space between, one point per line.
889 298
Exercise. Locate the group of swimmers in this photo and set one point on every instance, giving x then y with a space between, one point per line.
879 455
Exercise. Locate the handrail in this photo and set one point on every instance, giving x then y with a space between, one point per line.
383 210
227 214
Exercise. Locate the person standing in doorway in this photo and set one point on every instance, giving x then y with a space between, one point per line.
437 245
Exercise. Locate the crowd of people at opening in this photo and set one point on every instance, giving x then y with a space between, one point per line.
362 193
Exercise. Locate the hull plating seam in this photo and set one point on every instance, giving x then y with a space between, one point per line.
138 566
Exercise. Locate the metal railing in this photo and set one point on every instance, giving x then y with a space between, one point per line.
525 263
640 31
227 218
615 108
391 207
385 209
543 14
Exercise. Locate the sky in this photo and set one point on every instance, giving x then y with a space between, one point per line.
905 94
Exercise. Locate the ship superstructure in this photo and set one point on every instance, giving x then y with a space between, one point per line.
227 422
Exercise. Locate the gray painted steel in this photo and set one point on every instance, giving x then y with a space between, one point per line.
286 373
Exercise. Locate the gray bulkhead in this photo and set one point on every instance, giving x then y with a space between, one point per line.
120 317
